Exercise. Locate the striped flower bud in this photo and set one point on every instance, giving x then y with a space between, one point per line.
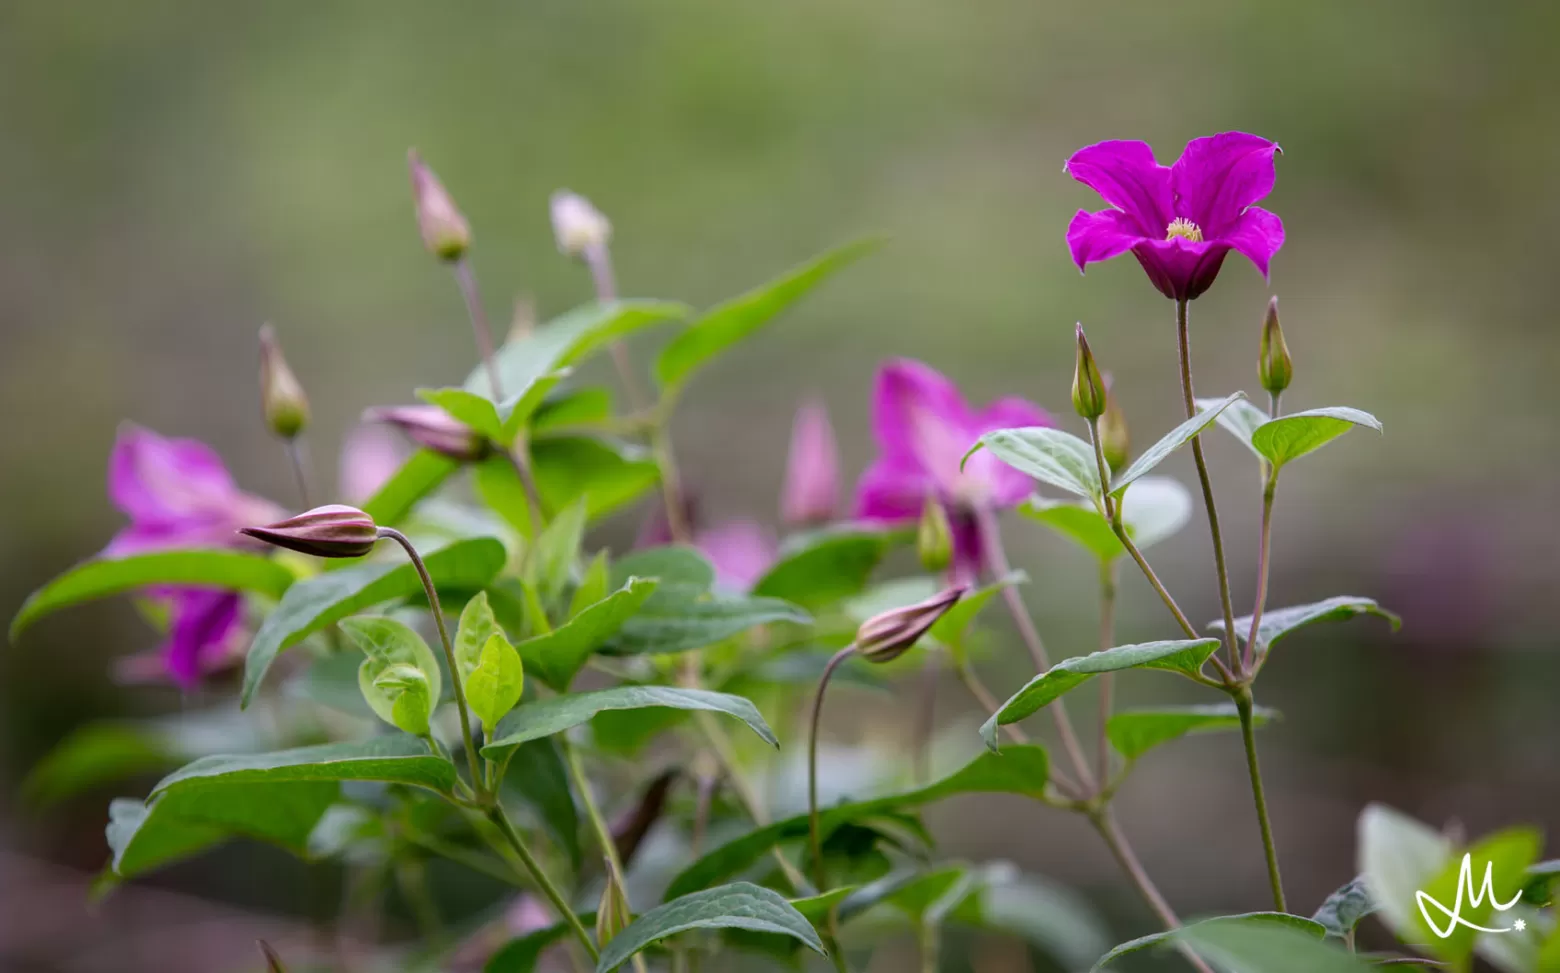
333 530
445 231
885 637
432 428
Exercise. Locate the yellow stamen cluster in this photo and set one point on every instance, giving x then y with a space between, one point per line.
1185 229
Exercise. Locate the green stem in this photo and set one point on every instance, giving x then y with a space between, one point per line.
1264 556
475 861
599 259
814 828
604 838
1105 823
1189 399
1107 684
559 903
300 476
449 651
467 281
929 945
1244 705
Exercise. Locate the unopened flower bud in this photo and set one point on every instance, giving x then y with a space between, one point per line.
613 913
273 962
1115 440
812 470
281 397
934 536
885 637
1274 367
432 428
445 231
1088 390
578 226
333 530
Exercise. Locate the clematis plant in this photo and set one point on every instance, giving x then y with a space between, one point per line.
606 685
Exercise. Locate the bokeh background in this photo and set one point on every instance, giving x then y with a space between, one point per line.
174 174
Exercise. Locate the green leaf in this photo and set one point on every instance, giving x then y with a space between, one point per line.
477 625
1345 908
824 566
671 565
1020 769
740 905
499 486
1135 732
400 678
276 797
1305 929
101 577
567 340
92 756
726 324
572 409
469 408
393 758
1291 437
1282 621
1398 857
1501 860
422 473
1049 455
495 685
679 618
557 656
595 584
521 955
954 625
535 775
607 473
551 564
1268 948
1183 656
1154 509
544 717
311 605
1241 418
1174 440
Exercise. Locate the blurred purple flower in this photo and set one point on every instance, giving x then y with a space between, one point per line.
740 550
178 494
812 471
1180 221
924 427
369 457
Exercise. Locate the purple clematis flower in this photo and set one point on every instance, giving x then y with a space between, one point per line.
178 494
1180 221
924 427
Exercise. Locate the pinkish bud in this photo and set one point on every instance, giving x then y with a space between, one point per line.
578 226
885 637
333 530
812 471
432 428
445 231
370 456
281 397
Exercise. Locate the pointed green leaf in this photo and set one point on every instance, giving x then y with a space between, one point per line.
1184 656
1290 437
311 605
569 339
1135 732
737 906
726 324
1020 769
1174 440
535 775
400 677
595 584
1240 418
572 410
672 565
1269 948
1399 857
477 625
495 685
826 565
544 717
1301 927
557 656
422 473
1049 455
93 755
1155 508
607 473
1282 621
1345 908
551 563
101 577
678 619
393 758
499 486
469 408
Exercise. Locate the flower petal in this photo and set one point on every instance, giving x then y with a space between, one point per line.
893 490
1093 237
1217 177
919 418
203 621
740 550
1002 485
812 469
1180 268
1127 176
1258 234
151 477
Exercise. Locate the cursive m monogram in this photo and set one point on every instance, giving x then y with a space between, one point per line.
1475 898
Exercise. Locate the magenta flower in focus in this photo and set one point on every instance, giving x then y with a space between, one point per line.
178 494
924 427
812 470
1180 221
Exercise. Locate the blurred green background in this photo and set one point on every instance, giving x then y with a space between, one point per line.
173 175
